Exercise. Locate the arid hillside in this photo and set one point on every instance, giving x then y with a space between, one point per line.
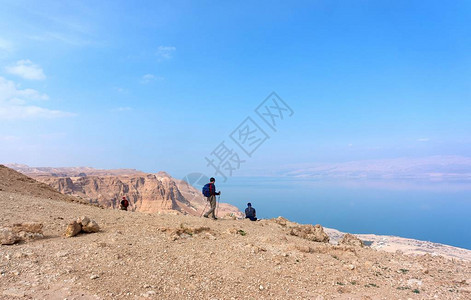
138 255
15 182
153 193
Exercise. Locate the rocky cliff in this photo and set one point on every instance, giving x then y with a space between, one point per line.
152 193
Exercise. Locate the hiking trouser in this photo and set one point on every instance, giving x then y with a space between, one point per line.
212 203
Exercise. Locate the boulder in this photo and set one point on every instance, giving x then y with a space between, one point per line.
8 237
82 224
312 233
91 226
83 220
20 232
73 229
351 240
284 222
30 227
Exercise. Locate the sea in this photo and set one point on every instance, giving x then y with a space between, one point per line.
435 211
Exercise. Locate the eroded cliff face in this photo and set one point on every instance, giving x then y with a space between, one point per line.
145 193
152 193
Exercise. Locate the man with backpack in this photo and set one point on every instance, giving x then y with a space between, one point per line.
124 204
209 191
250 212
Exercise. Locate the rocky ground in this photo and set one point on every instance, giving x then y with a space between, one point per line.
138 255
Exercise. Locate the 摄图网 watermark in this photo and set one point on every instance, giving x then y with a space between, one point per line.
247 137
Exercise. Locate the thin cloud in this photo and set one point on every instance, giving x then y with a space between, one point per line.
149 78
71 40
18 103
9 138
423 140
29 112
53 136
121 109
26 69
165 52
121 90
5 47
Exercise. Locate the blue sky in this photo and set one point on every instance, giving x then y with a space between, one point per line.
158 85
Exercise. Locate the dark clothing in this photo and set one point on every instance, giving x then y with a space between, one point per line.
212 189
124 204
250 213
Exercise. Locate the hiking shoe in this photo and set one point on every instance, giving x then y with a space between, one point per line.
215 219
205 216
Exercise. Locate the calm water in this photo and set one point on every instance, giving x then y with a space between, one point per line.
432 211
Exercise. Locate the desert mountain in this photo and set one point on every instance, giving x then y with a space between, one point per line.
15 182
152 193
430 168
137 255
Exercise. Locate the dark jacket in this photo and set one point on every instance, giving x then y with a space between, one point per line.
212 189
250 212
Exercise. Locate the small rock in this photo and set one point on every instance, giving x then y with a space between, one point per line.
31 227
351 240
83 220
14 293
91 226
351 267
73 229
303 248
414 282
261 287
309 232
62 253
94 276
8 237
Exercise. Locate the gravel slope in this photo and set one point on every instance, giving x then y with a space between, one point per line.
138 255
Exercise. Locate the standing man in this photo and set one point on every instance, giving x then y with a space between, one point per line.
250 212
209 191
124 204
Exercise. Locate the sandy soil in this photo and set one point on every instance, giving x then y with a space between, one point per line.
138 255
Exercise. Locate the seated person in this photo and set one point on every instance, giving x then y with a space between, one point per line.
250 212
124 204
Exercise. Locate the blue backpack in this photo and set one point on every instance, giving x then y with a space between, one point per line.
206 190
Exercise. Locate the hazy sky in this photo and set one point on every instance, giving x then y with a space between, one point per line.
158 85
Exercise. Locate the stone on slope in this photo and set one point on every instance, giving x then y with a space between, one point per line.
351 240
20 232
73 229
91 226
8 237
312 233
16 293
30 227
83 220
